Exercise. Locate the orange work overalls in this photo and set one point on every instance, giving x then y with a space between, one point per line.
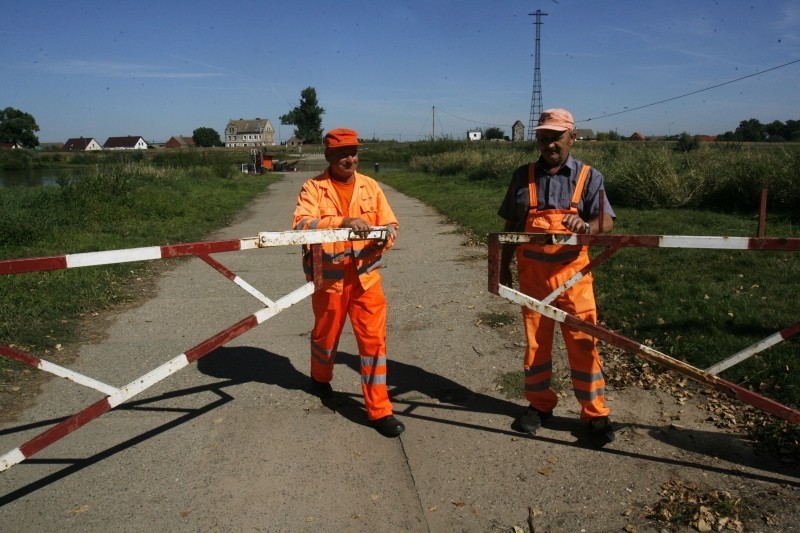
542 268
351 285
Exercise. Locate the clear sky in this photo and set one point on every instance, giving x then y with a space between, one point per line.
163 68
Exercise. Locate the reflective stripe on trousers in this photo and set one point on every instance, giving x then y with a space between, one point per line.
367 312
538 280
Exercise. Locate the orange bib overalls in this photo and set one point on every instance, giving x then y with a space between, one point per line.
542 268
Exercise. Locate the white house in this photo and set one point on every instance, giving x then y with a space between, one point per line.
81 144
474 135
125 143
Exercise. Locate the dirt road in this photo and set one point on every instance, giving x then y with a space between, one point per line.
236 443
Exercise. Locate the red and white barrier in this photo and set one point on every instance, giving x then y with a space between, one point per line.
116 396
614 243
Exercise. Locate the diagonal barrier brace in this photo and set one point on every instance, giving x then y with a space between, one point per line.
116 396
617 242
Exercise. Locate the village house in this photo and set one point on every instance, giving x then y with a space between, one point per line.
81 144
294 142
255 132
179 141
474 135
125 143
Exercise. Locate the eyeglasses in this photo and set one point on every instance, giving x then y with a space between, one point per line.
548 138
340 154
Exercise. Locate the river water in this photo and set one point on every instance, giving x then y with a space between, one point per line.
35 177
47 177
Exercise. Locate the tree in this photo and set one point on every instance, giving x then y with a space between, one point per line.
751 131
493 133
776 131
206 137
687 143
307 117
18 126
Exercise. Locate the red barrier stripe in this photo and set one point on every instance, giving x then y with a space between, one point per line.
775 243
247 323
20 356
219 267
791 331
33 264
64 428
200 248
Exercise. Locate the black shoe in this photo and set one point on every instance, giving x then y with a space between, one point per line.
389 426
600 431
531 420
321 390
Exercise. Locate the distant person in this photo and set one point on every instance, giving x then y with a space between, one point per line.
340 197
557 194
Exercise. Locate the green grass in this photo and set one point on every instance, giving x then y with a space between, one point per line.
114 206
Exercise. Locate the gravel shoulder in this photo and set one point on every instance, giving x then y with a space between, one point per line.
236 443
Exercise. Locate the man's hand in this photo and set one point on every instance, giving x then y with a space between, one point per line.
359 226
574 223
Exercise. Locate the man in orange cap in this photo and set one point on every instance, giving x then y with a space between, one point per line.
557 194
341 197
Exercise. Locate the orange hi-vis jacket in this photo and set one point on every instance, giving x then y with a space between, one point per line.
318 208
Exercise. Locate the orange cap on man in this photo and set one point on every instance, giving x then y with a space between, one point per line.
556 120
341 137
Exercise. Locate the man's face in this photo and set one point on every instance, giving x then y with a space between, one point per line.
343 161
555 145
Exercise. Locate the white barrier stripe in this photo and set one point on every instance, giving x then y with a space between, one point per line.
113 256
714 243
249 243
664 241
285 302
750 351
11 458
66 373
529 302
283 238
563 288
154 376
258 295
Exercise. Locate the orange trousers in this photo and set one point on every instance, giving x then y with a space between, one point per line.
538 279
367 312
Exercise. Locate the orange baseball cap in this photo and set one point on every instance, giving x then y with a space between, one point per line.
556 120
341 137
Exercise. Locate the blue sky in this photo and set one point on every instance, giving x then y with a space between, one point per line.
157 69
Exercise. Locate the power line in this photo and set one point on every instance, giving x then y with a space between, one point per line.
693 92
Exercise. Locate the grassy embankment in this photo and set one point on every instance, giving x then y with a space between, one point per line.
696 305
121 201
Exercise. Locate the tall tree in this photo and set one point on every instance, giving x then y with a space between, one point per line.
206 137
307 117
751 130
18 126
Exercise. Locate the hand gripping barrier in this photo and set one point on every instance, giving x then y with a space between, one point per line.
613 243
116 396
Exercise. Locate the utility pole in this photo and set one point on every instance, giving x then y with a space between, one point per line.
433 122
536 97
